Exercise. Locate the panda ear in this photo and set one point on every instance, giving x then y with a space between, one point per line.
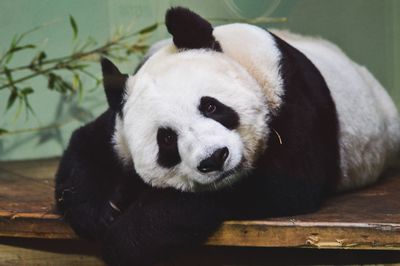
189 30
114 84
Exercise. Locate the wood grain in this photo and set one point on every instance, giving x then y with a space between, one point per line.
29 252
364 219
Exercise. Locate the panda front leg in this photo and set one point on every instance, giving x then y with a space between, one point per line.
91 189
159 223
88 207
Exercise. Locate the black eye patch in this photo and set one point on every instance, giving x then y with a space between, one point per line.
214 109
168 154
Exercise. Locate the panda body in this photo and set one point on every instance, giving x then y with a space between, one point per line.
368 134
228 123
368 120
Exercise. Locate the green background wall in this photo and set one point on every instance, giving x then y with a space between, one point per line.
367 30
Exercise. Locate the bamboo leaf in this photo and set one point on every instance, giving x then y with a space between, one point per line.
37 61
78 66
11 99
15 48
52 78
78 86
76 80
14 41
42 55
8 57
74 26
67 86
26 91
24 47
149 29
3 131
9 77
9 54
137 48
28 107
62 86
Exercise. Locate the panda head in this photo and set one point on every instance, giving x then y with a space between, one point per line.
191 118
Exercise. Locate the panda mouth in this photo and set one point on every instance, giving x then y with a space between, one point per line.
224 178
227 173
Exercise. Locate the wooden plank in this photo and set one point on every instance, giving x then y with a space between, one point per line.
45 252
29 252
49 228
365 219
300 234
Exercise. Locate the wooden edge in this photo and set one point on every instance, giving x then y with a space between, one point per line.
243 233
298 223
315 235
28 215
44 227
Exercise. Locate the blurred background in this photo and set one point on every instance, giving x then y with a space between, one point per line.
50 78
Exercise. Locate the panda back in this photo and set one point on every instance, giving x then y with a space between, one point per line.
369 128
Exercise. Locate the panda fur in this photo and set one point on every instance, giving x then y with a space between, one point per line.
228 123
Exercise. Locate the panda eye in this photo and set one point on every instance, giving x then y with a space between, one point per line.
166 137
168 153
211 108
214 109
169 139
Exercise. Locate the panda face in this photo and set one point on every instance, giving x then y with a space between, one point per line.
193 120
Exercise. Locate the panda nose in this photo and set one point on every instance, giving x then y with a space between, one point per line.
215 162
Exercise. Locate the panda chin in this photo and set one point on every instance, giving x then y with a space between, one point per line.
227 174
225 179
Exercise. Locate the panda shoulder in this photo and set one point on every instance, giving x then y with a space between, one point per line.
256 50
97 132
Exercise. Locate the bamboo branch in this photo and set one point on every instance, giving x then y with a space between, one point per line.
37 129
80 55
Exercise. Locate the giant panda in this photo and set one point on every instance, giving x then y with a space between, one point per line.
231 122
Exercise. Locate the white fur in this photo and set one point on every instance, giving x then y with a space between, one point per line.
255 49
368 119
166 92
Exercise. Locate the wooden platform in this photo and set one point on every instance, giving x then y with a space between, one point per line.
365 219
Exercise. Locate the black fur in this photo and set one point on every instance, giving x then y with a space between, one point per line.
114 84
290 178
168 153
89 176
295 176
160 223
222 113
189 30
